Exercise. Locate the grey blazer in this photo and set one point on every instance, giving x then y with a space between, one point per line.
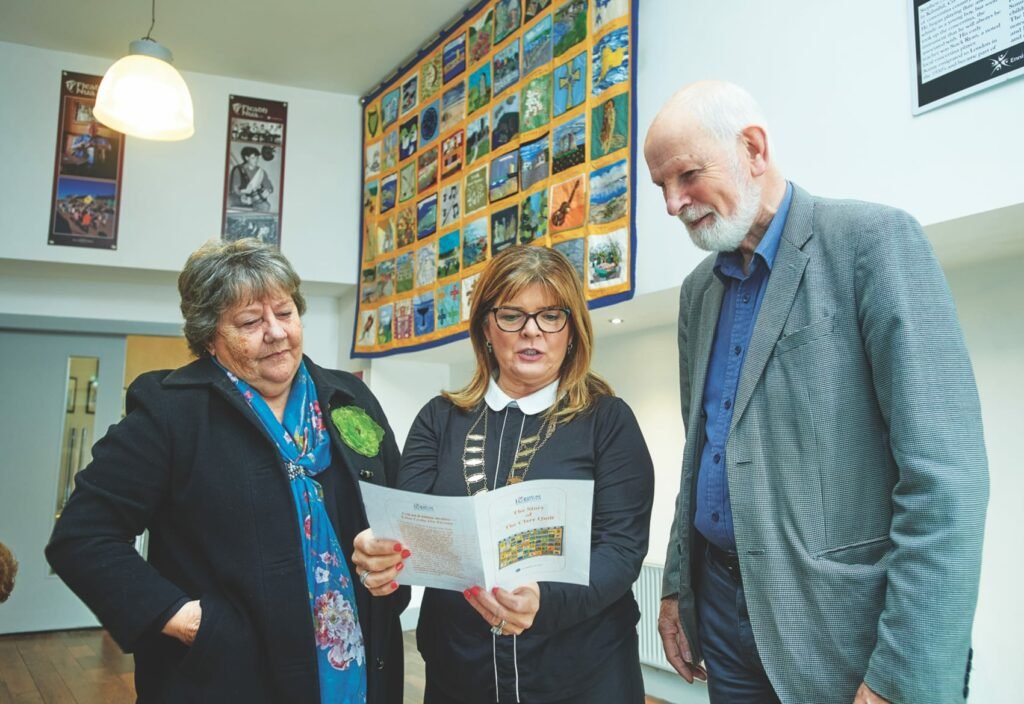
856 462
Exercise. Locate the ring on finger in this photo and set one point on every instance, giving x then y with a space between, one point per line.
499 628
363 576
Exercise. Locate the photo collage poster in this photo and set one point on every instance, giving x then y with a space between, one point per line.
87 173
515 127
254 175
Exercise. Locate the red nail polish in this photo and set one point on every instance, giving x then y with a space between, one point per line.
398 547
394 585
494 591
406 554
475 590
468 594
398 567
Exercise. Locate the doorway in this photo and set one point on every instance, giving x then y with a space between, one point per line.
60 394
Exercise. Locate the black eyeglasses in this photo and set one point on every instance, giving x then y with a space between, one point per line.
514 320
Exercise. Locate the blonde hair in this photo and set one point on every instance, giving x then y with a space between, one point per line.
508 274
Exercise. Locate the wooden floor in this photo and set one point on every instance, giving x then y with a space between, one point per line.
86 667
73 667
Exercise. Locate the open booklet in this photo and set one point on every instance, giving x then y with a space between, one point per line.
536 531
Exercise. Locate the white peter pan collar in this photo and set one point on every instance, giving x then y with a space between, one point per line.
532 404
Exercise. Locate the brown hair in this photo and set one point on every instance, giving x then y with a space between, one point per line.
505 277
220 275
8 568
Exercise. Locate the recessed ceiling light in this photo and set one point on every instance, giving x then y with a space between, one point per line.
615 321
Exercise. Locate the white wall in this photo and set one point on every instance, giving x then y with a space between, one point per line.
347 310
320 331
171 202
404 383
834 81
31 288
106 293
988 299
643 368
403 387
172 192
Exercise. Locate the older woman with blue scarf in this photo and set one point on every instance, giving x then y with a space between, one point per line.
245 467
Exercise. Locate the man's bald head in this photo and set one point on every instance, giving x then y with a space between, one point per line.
721 109
707 150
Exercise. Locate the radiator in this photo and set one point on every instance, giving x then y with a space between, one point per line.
647 590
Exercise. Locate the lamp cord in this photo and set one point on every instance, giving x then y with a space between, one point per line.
152 23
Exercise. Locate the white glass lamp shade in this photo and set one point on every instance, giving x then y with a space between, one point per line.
144 96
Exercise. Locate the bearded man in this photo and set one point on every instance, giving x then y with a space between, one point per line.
827 538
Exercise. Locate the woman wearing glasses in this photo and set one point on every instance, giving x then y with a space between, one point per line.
533 410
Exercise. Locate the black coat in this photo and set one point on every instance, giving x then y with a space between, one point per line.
193 464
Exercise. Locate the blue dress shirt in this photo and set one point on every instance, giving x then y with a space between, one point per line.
740 305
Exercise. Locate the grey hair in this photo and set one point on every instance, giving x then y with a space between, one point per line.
724 110
220 275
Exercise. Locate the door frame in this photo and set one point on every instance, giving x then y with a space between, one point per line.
91 326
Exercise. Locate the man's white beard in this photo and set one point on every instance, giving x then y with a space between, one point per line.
724 234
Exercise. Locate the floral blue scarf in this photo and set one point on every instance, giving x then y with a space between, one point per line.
305 446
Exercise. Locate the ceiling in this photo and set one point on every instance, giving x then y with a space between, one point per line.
341 46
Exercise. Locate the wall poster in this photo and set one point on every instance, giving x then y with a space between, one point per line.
254 176
963 46
87 170
516 126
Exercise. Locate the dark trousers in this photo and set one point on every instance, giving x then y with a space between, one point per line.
735 672
619 682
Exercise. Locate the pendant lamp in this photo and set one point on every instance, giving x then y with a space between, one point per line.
143 95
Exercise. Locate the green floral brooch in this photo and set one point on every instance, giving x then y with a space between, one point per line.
358 430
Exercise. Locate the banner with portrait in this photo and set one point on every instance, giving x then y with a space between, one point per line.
516 126
254 175
86 196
